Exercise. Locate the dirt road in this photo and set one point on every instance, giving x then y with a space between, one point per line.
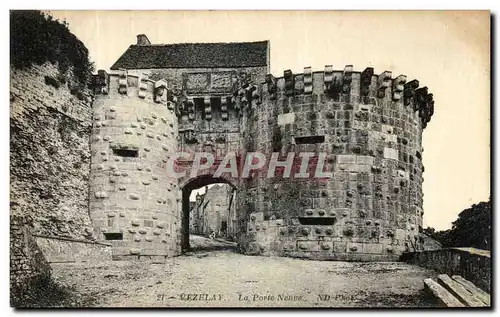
214 275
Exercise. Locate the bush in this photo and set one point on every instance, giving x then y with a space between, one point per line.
36 38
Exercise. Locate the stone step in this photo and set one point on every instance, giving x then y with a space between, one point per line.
463 295
444 297
476 291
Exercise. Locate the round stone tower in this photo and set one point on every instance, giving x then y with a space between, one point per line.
362 129
134 204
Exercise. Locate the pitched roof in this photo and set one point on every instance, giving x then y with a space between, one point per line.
191 55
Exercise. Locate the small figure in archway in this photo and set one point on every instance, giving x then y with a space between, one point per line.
212 235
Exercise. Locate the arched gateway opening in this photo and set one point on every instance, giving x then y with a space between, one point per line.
196 222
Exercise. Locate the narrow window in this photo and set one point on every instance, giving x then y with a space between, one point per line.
310 139
126 152
113 236
317 221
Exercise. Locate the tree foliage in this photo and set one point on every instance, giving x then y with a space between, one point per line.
36 38
471 229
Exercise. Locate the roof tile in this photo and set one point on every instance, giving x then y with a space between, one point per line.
194 55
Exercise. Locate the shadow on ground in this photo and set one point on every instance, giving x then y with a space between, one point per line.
201 244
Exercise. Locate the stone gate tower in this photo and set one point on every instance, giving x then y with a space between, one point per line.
133 202
370 129
220 97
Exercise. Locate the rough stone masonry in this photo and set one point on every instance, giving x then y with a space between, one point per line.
49 171
219 98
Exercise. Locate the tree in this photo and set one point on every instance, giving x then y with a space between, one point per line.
36 38
471 229
429 231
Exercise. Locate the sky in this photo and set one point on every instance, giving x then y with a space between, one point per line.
447 51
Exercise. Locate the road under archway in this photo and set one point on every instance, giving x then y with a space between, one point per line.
189 186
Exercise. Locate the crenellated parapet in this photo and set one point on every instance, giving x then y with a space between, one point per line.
134 85
246 97
351 86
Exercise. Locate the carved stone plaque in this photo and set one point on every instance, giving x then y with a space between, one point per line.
215 82
222 81
197 82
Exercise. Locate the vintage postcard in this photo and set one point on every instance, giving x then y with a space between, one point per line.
250 159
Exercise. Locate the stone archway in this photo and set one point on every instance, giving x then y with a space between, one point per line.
367 127
187 186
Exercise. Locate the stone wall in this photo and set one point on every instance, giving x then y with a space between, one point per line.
49 169
195 215
217 130
57 250
470 263
28 267
134 204
216 210
50 151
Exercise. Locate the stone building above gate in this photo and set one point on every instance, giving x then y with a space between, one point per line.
203 77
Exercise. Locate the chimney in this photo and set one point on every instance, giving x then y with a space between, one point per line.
142 39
